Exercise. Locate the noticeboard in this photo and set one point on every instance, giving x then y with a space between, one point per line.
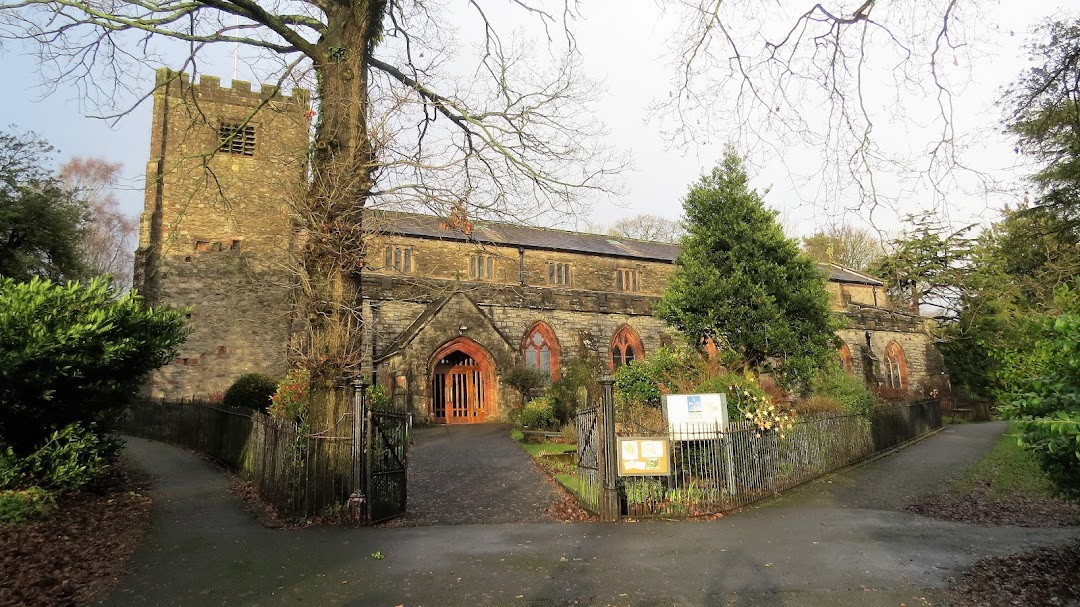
644 456
696 416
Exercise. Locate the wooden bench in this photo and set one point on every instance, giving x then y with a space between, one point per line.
539 436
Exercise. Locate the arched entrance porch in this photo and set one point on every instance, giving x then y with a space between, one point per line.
462 383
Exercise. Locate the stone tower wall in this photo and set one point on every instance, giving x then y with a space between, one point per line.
214 234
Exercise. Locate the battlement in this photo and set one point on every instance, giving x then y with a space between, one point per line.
210 87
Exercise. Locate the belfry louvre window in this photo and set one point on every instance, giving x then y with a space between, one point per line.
559 274
627 280
400 259
481 267
236 139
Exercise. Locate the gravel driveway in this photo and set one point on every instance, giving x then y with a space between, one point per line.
474 474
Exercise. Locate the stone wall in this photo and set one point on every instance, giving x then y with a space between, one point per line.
497 318
925 366
448 260
215 232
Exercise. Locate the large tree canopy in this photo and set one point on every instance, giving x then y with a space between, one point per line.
1044 113
844 245
41 222
741 283
107 245
833 76
648 227
403 116
926 265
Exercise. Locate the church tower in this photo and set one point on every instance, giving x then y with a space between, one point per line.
226 166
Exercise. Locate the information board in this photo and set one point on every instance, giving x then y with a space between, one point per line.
644 456
695 416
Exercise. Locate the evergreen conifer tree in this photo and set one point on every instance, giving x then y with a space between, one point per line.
742 283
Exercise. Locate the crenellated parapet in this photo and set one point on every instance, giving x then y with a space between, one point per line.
209 87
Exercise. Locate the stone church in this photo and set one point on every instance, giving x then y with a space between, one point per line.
447 309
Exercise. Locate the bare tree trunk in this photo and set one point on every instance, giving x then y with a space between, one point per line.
342 166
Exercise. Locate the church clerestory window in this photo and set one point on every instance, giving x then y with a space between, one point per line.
481 267
627 280
559 274
400 259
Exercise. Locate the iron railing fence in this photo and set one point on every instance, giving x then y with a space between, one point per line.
300 474
714 471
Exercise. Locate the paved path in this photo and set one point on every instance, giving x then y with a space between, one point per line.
474 474
825 544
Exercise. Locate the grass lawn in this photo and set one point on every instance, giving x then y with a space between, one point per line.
1006 470
570 481
563 472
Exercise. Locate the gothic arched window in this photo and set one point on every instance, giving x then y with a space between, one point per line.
625 347
540 349
895 367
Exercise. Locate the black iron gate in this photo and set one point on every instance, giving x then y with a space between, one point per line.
384 459
588 458
597 489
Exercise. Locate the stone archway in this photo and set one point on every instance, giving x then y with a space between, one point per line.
461 377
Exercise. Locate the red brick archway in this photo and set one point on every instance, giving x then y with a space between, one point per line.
462 383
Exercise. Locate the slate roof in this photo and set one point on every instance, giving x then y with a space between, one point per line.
512 235
841 274
547 239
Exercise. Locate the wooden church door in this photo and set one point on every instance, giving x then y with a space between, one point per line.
457 390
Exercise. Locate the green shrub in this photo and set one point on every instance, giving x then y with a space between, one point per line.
19 506
637 383
571 391
848 390
71 458
526 380
291 397
742 394
75 354
377 397
539 413
250 391
667 371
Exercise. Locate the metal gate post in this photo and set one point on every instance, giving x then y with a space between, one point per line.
609 494
368 436
356 499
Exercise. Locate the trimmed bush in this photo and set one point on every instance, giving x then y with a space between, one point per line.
539 413
250 391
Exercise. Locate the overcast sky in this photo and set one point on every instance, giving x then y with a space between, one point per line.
629 51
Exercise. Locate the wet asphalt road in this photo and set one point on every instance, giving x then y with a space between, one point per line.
828 543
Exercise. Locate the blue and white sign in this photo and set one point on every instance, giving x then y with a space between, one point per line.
696 416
